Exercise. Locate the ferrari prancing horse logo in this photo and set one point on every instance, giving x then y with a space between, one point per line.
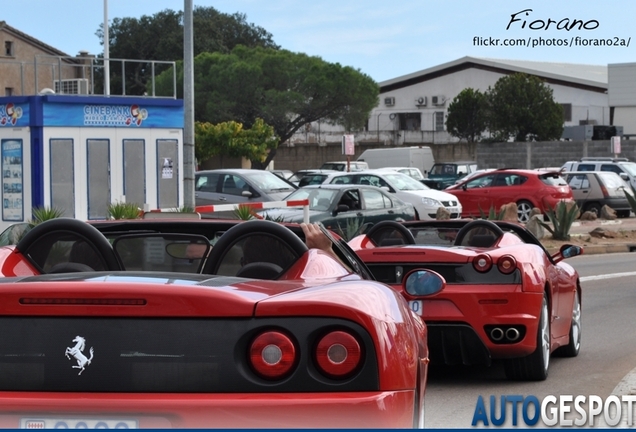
76 351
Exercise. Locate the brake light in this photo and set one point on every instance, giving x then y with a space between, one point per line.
604 190
338 354
482 263
507 264
272 355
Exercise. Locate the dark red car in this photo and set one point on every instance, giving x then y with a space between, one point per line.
527 188
505 297
145 324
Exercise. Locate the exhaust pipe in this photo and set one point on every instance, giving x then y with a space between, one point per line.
496 334
512 334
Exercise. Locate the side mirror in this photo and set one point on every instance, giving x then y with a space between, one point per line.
423 282
624 176
567 251
341 208
246 194
464 186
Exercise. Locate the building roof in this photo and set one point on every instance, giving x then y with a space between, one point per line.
589 77
32 40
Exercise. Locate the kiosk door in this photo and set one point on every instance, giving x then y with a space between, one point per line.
98 167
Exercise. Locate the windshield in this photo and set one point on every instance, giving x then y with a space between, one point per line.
403 182
630 167
443 169
319 199
267 181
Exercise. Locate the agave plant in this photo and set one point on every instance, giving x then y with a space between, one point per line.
244 212
352 228
631 198
41 214
562 220
121 210
492 214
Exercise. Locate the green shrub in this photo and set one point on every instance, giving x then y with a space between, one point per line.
352 228
631 199
492 214
123 211
562 220
244 212
41 214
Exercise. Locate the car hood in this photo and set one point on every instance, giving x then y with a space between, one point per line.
279 195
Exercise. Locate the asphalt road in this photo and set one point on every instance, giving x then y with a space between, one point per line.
608 353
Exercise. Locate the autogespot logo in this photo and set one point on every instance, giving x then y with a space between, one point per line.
562 410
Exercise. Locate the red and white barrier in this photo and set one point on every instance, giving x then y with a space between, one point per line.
257 205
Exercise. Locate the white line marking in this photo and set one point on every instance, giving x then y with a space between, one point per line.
607 276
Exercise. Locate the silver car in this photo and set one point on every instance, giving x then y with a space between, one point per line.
425 200
235 186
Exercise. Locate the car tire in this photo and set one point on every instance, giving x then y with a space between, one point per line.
534 367
523 211
574 345
595 207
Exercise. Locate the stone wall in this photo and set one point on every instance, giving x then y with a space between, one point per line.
488 155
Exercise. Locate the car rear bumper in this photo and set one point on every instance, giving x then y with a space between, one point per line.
390 409
460 325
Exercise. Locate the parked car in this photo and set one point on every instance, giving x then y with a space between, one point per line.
425 200
621 166
154 337
339 206
505 297
414 173
284 174
314 177
526 188
594 189
318 176
445 174
342 166
235 186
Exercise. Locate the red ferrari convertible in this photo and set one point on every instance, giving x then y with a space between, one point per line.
505 296
202 323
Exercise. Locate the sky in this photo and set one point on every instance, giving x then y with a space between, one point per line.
381 38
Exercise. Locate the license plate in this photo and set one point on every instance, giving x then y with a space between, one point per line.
78 423
453 209
416 306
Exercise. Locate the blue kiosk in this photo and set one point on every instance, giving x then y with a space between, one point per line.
81 153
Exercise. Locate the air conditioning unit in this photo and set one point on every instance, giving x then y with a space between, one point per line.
389 101
438 100
421 101
72 86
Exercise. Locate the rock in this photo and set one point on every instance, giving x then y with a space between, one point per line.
535 227
588 216
535 211
508 212
442 214
603 233
608 213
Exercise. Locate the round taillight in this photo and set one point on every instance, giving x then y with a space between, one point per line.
338 354
482 263
272 355
507 264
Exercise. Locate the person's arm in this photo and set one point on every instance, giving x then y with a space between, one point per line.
316 239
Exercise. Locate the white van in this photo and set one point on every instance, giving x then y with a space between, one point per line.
415 157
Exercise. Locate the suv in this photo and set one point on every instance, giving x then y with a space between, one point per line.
594 189
443 175
621 166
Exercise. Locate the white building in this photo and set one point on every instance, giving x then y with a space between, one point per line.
413 108
622 96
